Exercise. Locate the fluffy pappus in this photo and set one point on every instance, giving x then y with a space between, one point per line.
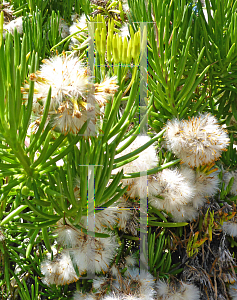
197 141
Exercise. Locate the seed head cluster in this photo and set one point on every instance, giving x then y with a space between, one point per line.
80 250
75 99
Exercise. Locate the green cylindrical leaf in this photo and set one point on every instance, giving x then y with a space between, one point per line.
31 243
13 214
46 239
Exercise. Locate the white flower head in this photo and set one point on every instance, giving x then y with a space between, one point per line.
104 218
130 260
197 141
68 236
114 270
60 271
144 283
189 291
163 289
113 296
98 282
80 296
206 184
17 23
184 213
73 100
124 212
133 297
94 253
147 160
183 291
67 77
68 119
170 190
230 227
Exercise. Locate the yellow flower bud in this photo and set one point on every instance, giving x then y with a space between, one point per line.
112 25
129 52
115 49
109 48
103 23
136 46
125 50
99 22
131 31
103 41
120 47
97 40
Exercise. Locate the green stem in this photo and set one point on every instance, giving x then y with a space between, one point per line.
23 158
19 152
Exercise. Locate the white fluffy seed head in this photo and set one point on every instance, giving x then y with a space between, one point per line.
124 212
68 236
113 296
173 189
95 253
147 160
184 213
17 23
114 271
230 227
66 76
80 296
73 96
197 141
60 271
162 289
190 291
207 184
130 260
105 89
98 282
145 282
133 297
183 291
104 218
66 119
